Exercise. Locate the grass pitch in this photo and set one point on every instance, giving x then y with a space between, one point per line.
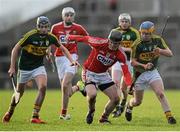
148 116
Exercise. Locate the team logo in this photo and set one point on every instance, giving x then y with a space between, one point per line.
62 39
105 60
123 37
128 37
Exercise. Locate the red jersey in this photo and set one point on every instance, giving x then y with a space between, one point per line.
60 31
102 57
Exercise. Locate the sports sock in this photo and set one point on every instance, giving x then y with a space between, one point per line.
168 114
63 112
36 111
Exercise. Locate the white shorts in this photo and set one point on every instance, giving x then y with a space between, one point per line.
117 66
98 78
24 76
63 65
146 78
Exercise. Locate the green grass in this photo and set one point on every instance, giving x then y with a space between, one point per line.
148 116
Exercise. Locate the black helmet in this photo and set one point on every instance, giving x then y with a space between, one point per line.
43 20
115 36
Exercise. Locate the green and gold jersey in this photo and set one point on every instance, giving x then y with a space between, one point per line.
143 51
128 37
34 46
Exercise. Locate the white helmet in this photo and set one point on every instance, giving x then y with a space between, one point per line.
124 16
67 10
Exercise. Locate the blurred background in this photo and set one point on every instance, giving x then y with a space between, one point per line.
98 17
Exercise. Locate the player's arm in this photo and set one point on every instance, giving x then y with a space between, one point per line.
162 49
14 56
14 53
126 72
94 42
68 55
165 52
78 38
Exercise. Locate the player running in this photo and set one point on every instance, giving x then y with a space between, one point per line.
129 35
65 71
145 55
33 48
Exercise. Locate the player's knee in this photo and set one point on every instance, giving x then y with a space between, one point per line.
137 102
92 95
160 95
66 84
116 100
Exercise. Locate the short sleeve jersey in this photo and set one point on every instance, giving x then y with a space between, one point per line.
34 46
128 37
143 51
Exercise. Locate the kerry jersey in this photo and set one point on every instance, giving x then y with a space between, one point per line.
34 48
143 51
128 37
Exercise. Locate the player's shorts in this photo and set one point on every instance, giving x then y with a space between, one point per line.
64 65
24 76
117 66
99 79
146 78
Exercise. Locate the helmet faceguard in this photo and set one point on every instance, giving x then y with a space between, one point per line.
115 36
147 27
66 12
124 16
42 20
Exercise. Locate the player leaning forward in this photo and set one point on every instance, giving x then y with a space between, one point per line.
104 53
145 55
33 48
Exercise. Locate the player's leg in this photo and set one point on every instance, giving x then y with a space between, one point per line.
22 78
120 107
91 99
65 74
158 88
109 89
116 77
123 87
7 116
133 102
66 89
40 77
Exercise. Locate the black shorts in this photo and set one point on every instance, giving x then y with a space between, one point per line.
102 87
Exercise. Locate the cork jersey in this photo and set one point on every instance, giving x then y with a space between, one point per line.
34 48
102 57
60 31
143 51
128 37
